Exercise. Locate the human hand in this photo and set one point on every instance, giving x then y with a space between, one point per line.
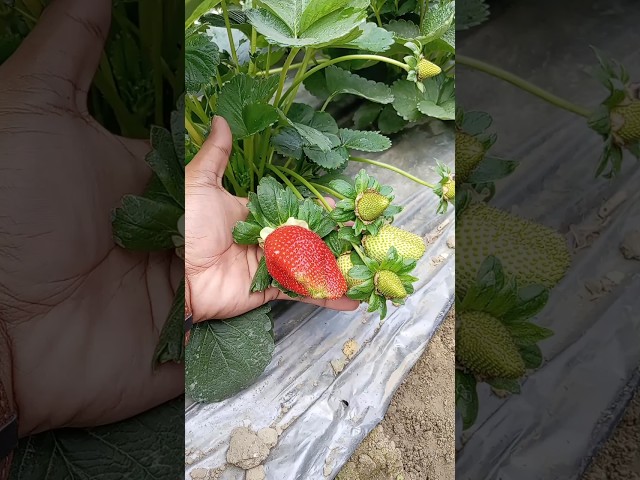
219 272
82 315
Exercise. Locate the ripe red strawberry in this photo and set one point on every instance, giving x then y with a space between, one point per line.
301 262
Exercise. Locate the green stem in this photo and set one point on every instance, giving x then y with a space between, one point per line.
293 66
195 107
328 191
309 54
376 12
239 191
248 157
522 84
283 74
326 103
26 14
287 182
393 169
358 251
253 66
227 24
193 132
344 58
304 182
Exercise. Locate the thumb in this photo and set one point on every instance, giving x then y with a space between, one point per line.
210 162
66 44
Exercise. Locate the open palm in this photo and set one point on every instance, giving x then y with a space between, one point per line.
218 271
82 315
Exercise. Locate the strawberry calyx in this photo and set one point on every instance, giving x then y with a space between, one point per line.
617 118
445 189
378 282
367 203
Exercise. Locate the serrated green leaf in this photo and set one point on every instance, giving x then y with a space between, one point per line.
277 203
335 244
360 272
403 29
341 215
288 142
406 97
246 233
170 346
304 23
148 446
165 164
474 123
332 159
224 357
316 217
145 224
313 138
343 188
242 94
201 59
429 108
364 140
339 80
372 39
389 121
262 279
437 21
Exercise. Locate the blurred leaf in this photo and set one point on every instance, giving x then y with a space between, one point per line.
470 13
466 398
372 39
366 114
201 59
194 9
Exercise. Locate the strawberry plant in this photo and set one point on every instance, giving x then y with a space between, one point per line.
616 119
246 62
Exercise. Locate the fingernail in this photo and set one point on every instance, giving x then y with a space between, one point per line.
214 120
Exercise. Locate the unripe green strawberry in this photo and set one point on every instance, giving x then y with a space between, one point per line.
484 346
449 189
469 152
370 204
530 252
345 264
426 69
628 117
389 284
407 244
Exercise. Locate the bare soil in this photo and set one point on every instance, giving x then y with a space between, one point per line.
619 458
416 439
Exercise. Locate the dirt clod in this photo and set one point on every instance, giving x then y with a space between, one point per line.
199 474
269 436
256 473
382 460
630 246
350 348
246 449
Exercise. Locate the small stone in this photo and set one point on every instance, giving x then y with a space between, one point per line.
246 449
630 246
199 474
350 348
269 436
256 473
337 366
451 242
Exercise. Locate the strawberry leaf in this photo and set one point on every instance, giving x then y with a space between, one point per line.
278 204
225 356
389 121
372 39
261 279
170 346
243 102
316 217
366 114
246 233
364 141
527 333
201 60
532 356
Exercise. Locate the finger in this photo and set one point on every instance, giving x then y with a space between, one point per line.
211 161
342 304
67 42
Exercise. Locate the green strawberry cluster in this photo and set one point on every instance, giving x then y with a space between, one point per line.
374 257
